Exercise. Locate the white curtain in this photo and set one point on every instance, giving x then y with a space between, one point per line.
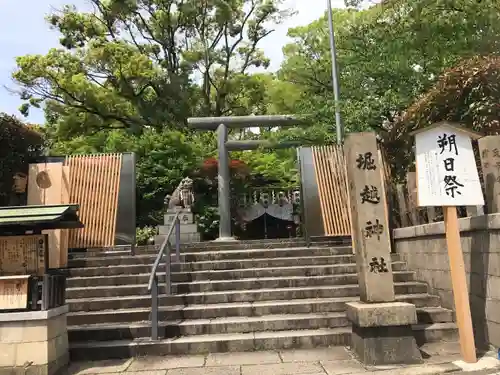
284 212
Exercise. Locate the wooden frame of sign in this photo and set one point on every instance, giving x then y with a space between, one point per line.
24 255
14 292
447 176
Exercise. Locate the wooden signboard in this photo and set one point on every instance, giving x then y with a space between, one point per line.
23 255
14 292
448 177
447 172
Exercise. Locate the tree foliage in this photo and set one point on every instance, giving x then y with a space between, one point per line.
137 63
468 94
128 74
19 143
388 54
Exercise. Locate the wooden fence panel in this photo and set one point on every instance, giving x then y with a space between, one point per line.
329 167
94 182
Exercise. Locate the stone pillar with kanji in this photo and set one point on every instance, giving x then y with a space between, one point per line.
381 327
489 150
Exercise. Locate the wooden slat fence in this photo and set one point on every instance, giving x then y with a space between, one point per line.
95 184
329 167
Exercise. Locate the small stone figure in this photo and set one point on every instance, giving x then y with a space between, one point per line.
282 199
264 200
182 196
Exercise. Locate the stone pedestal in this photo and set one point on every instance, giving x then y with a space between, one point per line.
34 342
188 228
382 334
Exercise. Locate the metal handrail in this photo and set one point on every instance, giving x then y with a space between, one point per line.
153 277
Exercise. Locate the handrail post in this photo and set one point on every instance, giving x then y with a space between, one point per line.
154 309
153 285
178 239
168 262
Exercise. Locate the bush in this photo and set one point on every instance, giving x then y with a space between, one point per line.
145 235
19 144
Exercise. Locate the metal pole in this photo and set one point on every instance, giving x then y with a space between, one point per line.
178 240
335 81
223 186
154 309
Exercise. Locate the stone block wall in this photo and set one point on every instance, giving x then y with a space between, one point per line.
34 342
424 248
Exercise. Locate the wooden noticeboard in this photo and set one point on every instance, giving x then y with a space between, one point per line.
23 255
447 176
14 292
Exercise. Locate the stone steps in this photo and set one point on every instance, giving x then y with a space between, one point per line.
225 265
133 308
191 327
122 283
207 246
239 342
245 296
313 290
211 343
293 271
213 255
222 325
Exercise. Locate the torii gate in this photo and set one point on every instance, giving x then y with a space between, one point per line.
221 125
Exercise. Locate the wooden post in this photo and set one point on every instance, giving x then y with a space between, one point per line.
411 187
403 209
459 284
447 176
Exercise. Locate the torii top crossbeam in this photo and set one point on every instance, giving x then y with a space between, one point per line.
239 122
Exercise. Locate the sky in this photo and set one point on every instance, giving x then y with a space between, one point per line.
23 30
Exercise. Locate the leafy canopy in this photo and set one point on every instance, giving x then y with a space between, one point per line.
137 63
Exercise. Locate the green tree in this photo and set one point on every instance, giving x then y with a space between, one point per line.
137 63
467 94
19 143
388 55
164 157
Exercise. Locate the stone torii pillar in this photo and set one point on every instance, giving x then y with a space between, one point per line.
222 125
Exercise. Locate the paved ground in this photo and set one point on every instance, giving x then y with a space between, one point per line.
439 358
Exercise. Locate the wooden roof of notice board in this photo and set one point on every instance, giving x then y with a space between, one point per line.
451 125
40 217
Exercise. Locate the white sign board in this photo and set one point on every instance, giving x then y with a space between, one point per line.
446 169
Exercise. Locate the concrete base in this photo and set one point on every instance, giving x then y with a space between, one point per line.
34 342
183 229
382 334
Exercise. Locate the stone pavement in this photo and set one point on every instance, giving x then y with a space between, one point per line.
439 358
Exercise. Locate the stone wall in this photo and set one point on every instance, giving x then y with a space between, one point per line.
424 248
34 342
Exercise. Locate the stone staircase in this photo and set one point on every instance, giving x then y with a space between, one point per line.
258 295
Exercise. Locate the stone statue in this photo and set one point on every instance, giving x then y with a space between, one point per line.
183 196
282 199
